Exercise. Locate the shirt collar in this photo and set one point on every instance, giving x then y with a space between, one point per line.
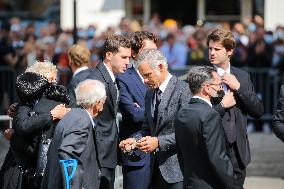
163 86
110 73
220 71
92 120
204 99
79 70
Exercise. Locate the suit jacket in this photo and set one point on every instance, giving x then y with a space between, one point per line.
81 76
176 95
28 126
247 103
44 106
202 147
278 118
106 127
73 139
131 90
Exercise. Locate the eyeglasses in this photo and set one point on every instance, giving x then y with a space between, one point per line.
217 84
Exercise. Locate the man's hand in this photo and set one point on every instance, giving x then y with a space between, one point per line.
12 110
228 100
128 144
231 81
8 133
59 111
148 144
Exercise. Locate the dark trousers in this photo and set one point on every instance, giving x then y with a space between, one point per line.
239 167
158 182
137 177
107 178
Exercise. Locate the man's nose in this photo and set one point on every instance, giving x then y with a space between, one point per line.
127 61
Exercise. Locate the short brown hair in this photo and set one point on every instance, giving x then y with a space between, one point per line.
138 38
224 36
114 42
79 55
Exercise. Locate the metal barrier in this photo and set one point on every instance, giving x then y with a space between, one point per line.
7 87
6 118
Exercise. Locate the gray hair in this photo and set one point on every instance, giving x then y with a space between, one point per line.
42 68
199 75
154 57
90 91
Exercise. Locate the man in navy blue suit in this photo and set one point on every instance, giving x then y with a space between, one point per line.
136 171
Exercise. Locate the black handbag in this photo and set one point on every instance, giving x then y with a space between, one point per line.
43 147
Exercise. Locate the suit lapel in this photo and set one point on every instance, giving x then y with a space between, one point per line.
235 72
148 109
139 84
166 96
110 84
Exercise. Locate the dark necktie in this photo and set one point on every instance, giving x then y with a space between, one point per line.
231 126
157 93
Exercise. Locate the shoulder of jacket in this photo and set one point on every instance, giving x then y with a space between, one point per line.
239 71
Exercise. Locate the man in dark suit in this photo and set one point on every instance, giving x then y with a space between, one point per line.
79 60
132 91
116 52
201 141
73 139
278 118
240 99
163 100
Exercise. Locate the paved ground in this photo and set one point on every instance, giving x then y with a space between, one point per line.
264 183
267 153
266 171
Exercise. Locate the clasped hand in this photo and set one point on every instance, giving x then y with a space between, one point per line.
146 144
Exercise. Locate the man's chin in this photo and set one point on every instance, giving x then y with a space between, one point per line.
121 71
214 62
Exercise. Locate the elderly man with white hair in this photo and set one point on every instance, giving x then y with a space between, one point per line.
73 139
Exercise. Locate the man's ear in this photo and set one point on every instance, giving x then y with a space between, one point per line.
109 55
133 55
161 67
206 89
230 52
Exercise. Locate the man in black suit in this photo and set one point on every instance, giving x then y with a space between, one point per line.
79 60
116 53
240 99
73 139
201 141
132 91
165 96
278 118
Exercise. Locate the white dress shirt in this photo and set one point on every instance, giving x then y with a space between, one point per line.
221 72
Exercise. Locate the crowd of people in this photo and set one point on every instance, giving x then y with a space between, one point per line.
23 42
174 134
